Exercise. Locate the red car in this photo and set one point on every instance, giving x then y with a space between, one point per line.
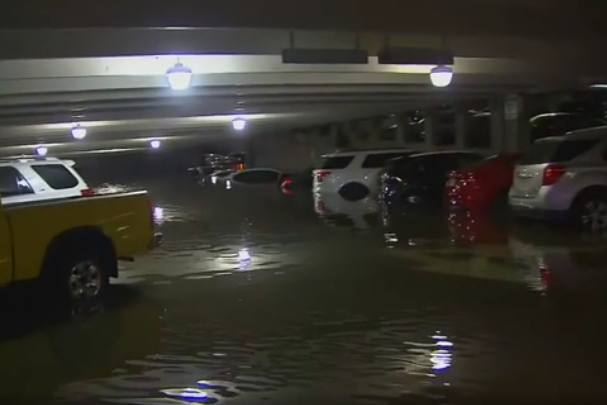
481 186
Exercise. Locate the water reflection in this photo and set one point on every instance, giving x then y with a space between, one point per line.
42 348
338 212
469 244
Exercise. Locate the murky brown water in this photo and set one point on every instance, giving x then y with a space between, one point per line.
256 297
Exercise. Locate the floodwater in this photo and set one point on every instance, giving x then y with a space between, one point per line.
261 298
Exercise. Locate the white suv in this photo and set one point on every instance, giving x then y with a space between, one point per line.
39 179
354 174
564 177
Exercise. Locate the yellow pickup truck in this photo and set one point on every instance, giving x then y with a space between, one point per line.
72 247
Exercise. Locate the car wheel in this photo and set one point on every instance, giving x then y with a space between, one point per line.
80 278
589 211
354 191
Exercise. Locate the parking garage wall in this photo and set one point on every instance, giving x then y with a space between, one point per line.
301 149
131 166
499 125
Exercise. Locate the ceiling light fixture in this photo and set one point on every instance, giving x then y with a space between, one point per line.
41 150
179 77
239 124
441 76
155 143
78 132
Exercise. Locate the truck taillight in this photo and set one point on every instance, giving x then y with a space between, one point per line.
321 175
87 192
552 174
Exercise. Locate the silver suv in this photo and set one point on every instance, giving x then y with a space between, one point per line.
564 177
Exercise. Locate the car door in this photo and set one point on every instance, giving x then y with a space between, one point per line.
439 168
416 178
13 188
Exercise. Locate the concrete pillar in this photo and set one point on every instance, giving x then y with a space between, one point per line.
375 128
460 127
516 124
428 126
402 131
509 124
496 106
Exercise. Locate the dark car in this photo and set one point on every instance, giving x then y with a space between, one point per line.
419 180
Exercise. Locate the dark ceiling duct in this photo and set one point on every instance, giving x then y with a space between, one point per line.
414 56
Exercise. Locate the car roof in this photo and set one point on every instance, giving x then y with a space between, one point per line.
440 152
36 160
351 152
588 133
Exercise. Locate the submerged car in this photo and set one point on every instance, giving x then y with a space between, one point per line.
419 179
481 186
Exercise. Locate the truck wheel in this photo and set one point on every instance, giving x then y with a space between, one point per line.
81 278
589 210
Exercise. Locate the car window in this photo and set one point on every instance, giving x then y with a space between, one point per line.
336 162
556 151
465 160
12 183
507 159
56 176
397 166
443 163
432 166
556 125
414 167
377 160
257 177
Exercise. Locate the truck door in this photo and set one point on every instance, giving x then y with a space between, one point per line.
6 251
9 187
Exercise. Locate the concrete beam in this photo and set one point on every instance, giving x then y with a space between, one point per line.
110 42
133 84
144 73
245 64
533 18
52 113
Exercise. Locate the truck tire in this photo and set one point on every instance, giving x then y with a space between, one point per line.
80 277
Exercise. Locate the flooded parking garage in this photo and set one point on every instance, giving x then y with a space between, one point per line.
260 297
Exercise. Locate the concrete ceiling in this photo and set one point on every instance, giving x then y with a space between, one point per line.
113 82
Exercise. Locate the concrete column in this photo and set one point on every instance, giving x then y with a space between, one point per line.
402 131
516 124
509 124
428 126
497 133
460 127
375 128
